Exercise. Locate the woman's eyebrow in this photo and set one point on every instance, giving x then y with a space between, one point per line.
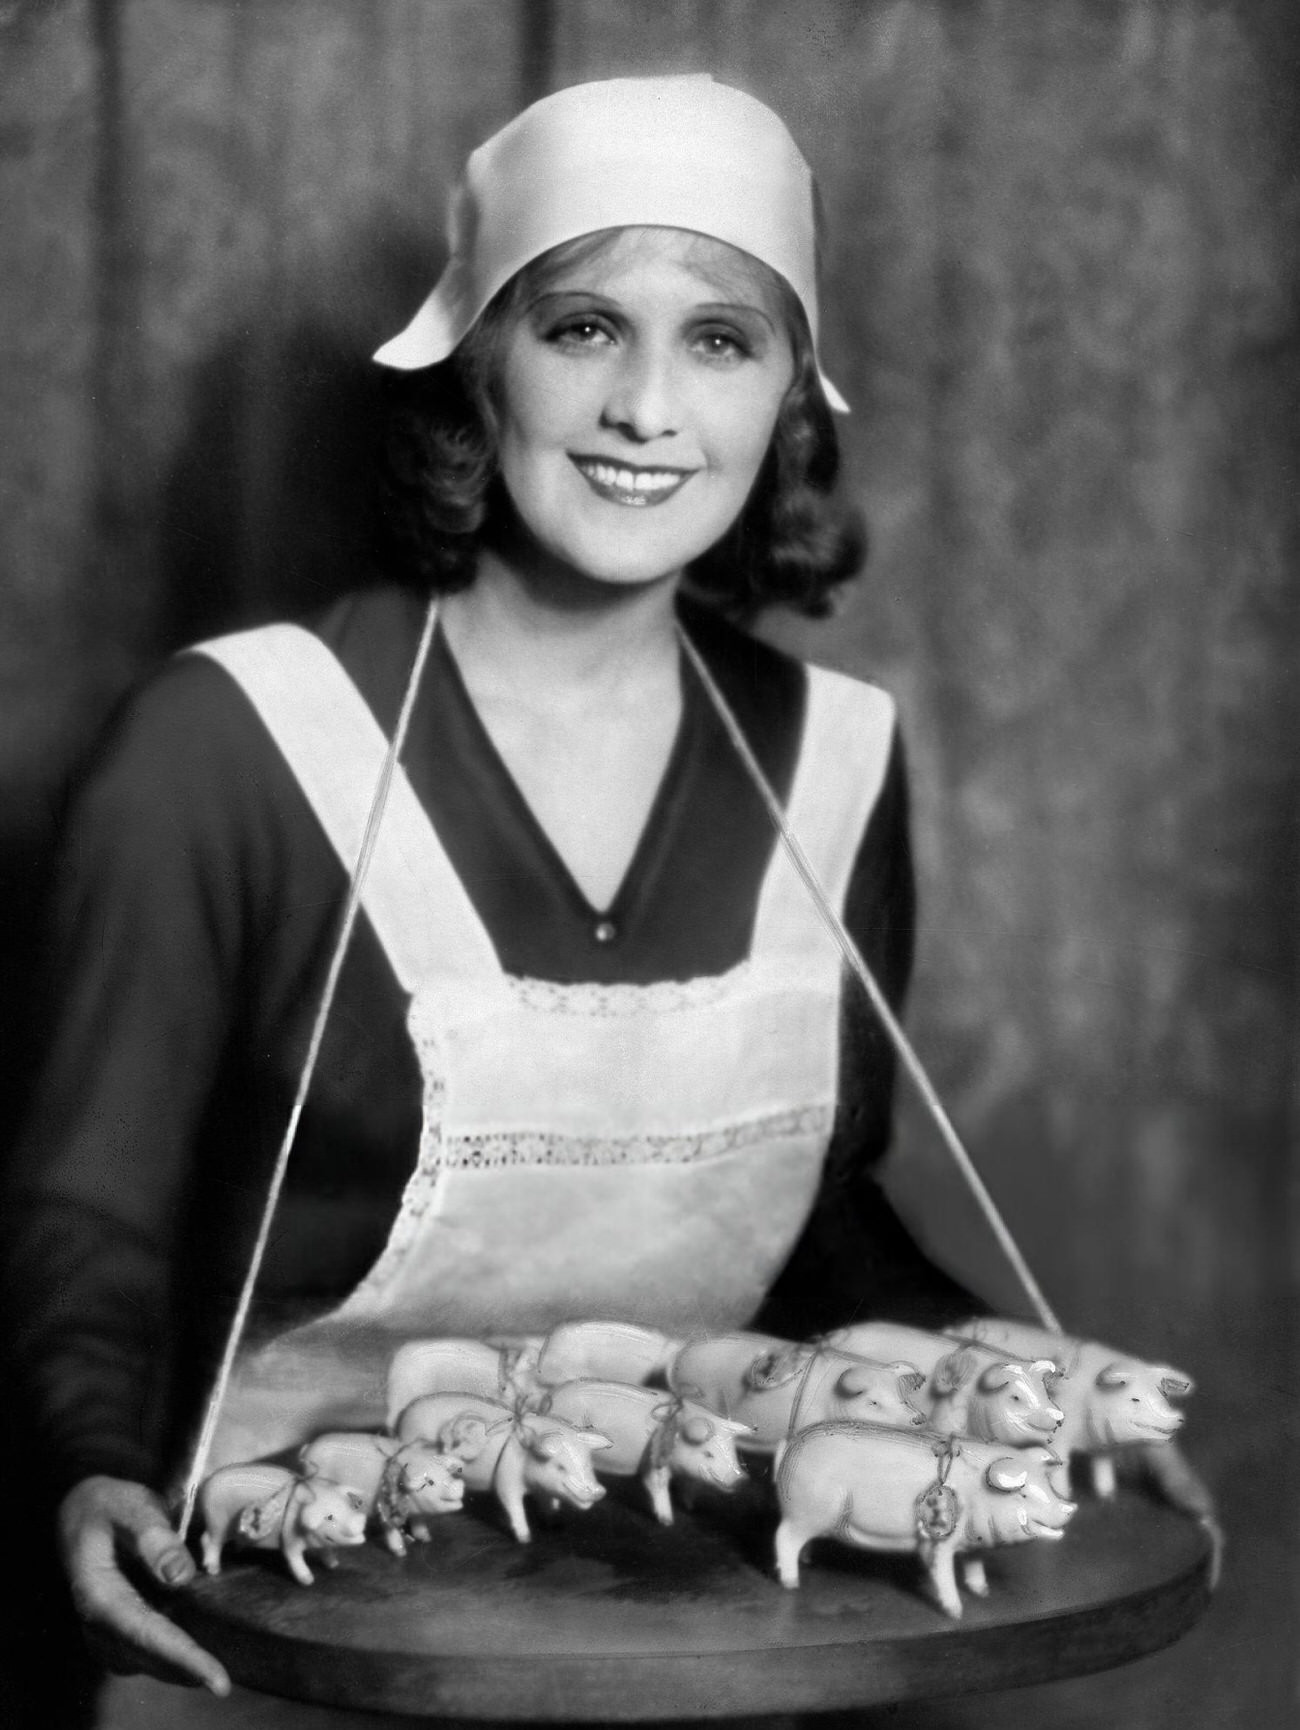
587 295
700 309
716 308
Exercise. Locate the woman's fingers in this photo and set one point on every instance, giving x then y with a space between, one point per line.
105 1519
1167 1469
164 1555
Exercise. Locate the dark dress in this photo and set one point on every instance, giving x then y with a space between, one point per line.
191 926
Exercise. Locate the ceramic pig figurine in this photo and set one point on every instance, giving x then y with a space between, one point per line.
777 1387
984 1391
402 1484
269 1508
654 1437
603 1351
1108 1398
511 1453
456 1366
897 1490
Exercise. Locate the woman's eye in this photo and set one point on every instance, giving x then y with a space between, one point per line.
580 333
722 345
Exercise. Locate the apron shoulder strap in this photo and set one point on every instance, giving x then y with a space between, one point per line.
335 748
848 735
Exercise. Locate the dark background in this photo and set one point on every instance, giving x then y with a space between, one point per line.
1061 296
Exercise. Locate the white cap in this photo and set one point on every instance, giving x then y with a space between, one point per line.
678 152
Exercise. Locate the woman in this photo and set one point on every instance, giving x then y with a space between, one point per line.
589 1052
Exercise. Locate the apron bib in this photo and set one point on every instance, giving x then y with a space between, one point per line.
638 1153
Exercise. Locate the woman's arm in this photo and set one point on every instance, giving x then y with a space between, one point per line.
141 960
856 1259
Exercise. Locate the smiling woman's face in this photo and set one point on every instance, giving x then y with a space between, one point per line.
638 387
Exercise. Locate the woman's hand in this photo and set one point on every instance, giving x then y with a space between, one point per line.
107 1526
1165 1469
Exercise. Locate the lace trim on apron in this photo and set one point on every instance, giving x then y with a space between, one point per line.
481 1152
609 1001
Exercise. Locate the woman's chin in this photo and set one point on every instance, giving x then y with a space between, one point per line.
579 576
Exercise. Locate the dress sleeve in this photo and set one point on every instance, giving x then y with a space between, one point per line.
855 1258
143 951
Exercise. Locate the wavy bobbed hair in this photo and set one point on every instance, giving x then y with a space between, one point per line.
795 541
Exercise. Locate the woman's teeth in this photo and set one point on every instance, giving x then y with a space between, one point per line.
633 486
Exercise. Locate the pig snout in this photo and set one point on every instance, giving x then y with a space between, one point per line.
561 1467
434 1491
1046 1421
1023 1502
570 1485
711 1465
1133 1401
722 1469
705 1449
1045 1513
335 1520
1016 1407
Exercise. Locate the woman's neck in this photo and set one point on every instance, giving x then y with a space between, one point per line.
571 644
580 693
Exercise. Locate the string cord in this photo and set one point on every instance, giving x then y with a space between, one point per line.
830 918
347 921
858 966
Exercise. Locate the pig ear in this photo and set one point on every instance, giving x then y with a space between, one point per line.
1174 1385
734 1428
544 1444
773 1369
951 1372
596 1441
1051 1372
910 1379
996 1377
857 1379
696 1430
254 1521
1113 1376
1006 1475
465 1436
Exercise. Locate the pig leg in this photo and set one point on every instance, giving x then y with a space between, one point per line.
790 1541
394 1540
295 1556
214 1538
1101 1469
973 1576
655 1480
510 1492
941 1581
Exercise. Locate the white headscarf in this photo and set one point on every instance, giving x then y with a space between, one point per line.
678 152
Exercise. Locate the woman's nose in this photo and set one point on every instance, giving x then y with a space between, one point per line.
641 403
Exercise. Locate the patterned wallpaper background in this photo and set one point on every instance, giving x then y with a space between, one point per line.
1061 297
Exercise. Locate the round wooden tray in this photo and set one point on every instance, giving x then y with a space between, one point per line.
607 1617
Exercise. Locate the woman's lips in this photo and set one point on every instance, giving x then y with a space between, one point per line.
621 484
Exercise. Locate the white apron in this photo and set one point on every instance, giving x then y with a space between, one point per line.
639 1153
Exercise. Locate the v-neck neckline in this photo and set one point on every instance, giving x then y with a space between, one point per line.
548 854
